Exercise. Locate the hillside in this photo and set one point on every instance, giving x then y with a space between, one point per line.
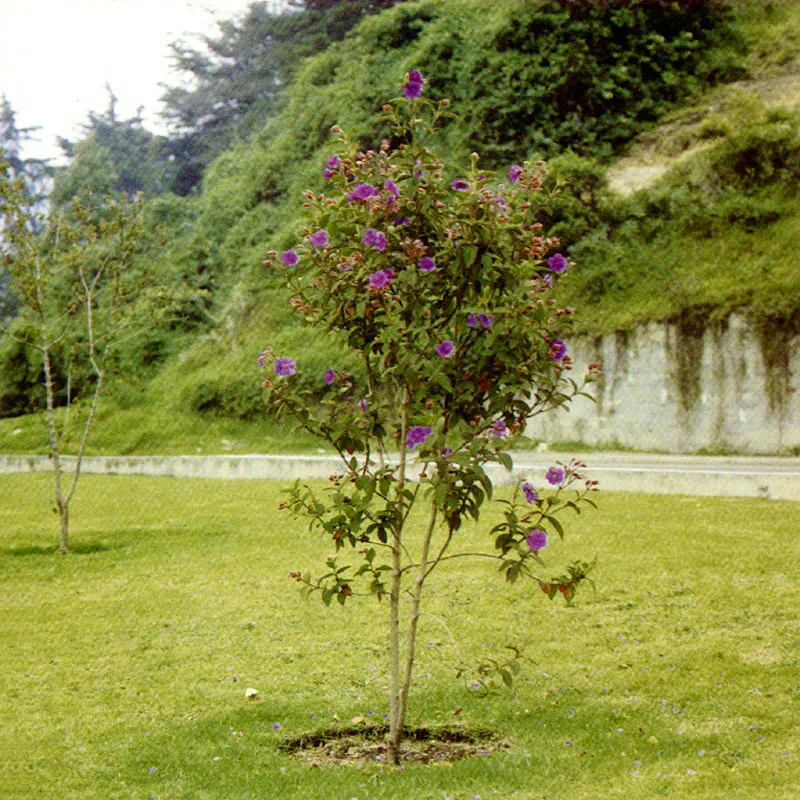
657 149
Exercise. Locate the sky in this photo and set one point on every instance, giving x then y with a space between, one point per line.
56 57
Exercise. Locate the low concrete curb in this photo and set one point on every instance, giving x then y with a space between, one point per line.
769 478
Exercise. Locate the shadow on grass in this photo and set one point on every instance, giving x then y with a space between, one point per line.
80 549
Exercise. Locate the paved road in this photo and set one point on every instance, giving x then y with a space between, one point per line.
769 478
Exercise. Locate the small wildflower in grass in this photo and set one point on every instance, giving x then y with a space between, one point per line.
427 264
330 376
363 405
537 540
557 263
472 320
380 242
370 237
531 495
460 185
514 173
276 726
391 187
290 258
262 358
486 320
398 221
320 238
445 349
554 476
417 435
332 162
557 350
284 366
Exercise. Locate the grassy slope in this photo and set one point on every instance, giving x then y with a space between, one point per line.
751 268
123 668
754 268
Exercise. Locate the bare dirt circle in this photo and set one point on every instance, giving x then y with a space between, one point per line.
367 745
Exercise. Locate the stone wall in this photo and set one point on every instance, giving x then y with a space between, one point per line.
687 386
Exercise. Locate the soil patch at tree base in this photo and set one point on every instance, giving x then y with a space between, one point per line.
367 745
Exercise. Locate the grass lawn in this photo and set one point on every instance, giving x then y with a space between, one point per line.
123 667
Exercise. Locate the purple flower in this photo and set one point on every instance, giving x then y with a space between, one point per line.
284 366
531 495
445 349
486 321
381 278
362 192
330 376
332 162
413 88
557 350
290 258
460 185
418 174
499 428
417 436
537 540
501 202
326 173
401 221
391 186
557 263
472 320
427 264
370 237
380 242
276 726
547 280
554 476
447 451
363 404
262 358
514 173
320 238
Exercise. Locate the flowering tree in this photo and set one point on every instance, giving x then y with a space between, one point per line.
442 286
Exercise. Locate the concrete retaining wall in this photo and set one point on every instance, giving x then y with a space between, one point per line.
688 386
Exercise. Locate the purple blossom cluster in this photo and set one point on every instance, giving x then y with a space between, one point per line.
555 476
413 88
499 428
320 238
290 258
514 173
557 350
381 278
330 376
373 238
285 366
417 435
531 495
485 320
362 192
330 165
557 263
460 185
537 540
427 264
445 349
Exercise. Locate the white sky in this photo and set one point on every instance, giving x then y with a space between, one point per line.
57 55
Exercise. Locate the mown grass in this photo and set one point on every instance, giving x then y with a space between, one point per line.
123 667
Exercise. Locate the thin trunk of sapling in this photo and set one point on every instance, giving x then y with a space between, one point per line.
395 719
